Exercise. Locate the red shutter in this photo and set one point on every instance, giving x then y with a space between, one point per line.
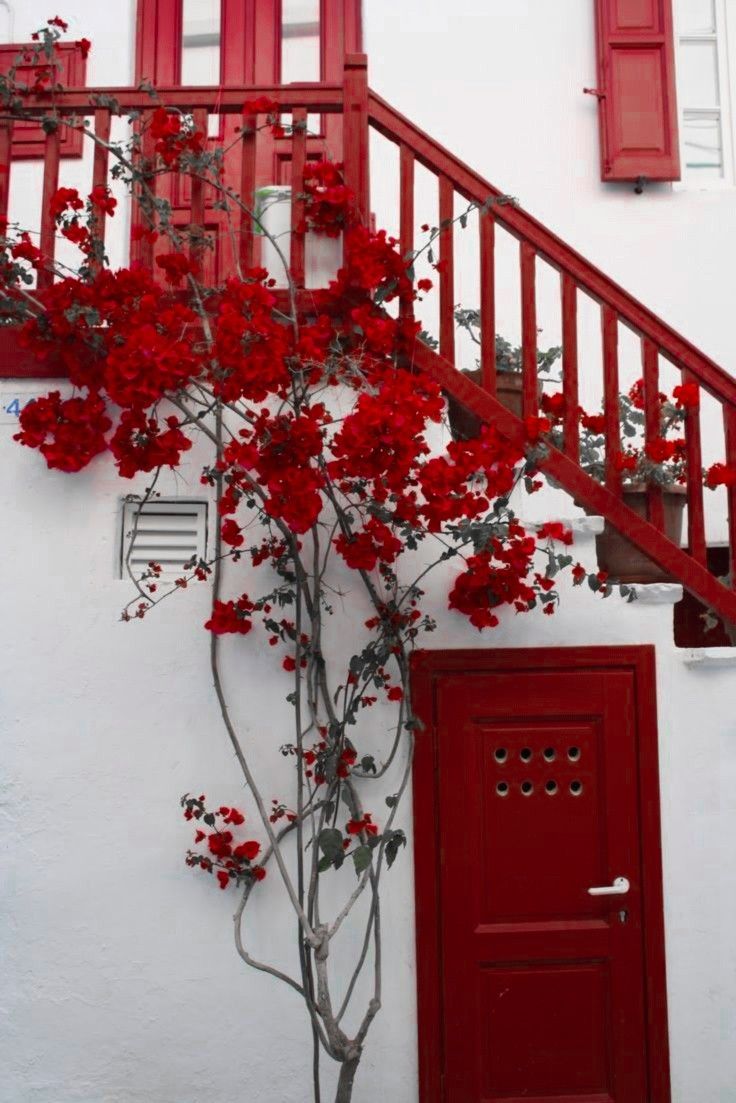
636 90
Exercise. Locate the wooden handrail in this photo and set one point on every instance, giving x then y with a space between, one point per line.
470 184
323 98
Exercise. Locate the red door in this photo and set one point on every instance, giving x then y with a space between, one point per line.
534 771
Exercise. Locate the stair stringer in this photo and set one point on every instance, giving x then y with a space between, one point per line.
593 495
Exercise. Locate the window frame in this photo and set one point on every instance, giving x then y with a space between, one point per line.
725 42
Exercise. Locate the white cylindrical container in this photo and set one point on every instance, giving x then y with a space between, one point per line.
322 254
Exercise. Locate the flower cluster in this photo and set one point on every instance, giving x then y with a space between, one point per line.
231 861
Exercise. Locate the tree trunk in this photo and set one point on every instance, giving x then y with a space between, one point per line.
347 1078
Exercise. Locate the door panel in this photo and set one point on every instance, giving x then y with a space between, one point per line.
542 986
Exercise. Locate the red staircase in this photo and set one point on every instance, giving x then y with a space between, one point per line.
363 111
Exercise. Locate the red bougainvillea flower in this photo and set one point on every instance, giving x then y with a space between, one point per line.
687 395
84 46
176 266
554 405
223 877
232 617
555 530
579 574
68 432
355 827
594 423
231 533
100 197
719 474
247 850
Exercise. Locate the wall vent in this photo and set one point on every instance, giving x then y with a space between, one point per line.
168 531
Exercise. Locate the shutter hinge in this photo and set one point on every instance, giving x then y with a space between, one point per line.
597 92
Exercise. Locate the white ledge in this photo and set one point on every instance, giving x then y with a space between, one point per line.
709 656
657 593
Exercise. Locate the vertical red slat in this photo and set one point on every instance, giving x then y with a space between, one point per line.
571 424
636 90
298 161
48 227
6 141
197 212
609 320
148 151
355 132
652 423
406 214
729 423
247 191
99 167
528 258
447 269
487 227
695 510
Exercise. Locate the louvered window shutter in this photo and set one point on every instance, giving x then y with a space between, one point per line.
636 90
170 533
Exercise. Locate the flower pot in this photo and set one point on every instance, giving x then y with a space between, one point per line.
464 425
620 558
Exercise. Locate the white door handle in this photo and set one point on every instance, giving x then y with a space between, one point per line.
619 887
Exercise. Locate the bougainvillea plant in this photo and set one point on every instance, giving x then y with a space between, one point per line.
331 484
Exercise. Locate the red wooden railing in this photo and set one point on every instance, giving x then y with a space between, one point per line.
363 111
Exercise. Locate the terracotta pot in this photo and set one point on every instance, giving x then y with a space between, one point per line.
623 561
464 425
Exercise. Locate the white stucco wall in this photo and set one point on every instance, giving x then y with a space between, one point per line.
121 983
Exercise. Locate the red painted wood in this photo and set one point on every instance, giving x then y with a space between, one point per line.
29 139
609 323
636 84
355 131
530 381
595 497
406 215
487 227
6 141
652 423
47 243
298 161
100 160
729 422
197 203
447 267
571 425
528 987
247 190
695 510
470 184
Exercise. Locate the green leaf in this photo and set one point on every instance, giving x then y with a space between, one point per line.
398 838
330 842
361 858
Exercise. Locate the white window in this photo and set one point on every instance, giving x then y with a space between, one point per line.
704 91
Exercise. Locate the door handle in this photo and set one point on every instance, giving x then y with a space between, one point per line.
619 887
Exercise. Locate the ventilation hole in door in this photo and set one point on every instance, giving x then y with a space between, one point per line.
551 787
576 788
500 754
549 754
573 753
502 788
527 788
525 754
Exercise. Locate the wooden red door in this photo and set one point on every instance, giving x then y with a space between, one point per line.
537 772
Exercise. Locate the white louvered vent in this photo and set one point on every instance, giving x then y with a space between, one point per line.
168 532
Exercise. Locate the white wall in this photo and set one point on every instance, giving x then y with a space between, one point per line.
121 981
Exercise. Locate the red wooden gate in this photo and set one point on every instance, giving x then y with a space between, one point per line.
536 782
